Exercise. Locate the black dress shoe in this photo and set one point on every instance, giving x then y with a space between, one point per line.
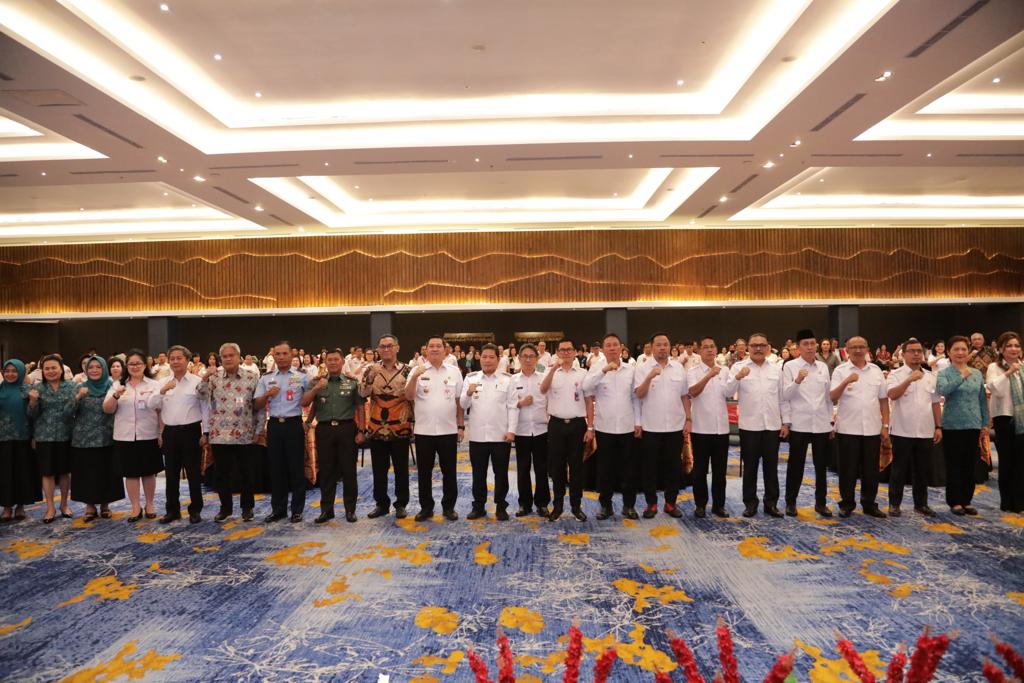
400 512
630 513
845 513
791 510
450 515
555 513
925 510
168 518
501 515
875 512
132 519
274 517
772 511
222 515
958 511
968 510
423 515
579 514
823 510
324 517
604 513
721 513
894 511
376 512
650 511
247 515
194 518
699 513
350 517
523 512
543 511
476 513
296 518
750 511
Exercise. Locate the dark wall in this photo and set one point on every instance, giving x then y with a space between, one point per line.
414 328
258 333
28 341
726 324
892 324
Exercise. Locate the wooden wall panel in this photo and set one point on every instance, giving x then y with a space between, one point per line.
515 267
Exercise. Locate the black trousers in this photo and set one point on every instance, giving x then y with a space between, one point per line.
914 457
661 453
286 446
710 449
496 453
532 450
760 446
182 450
858 458
442 447
798 442
616 463
235 463
384 455
565 450
1010 448
960 449
336 458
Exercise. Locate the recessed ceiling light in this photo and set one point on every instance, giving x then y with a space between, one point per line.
43 173
630 156
885 76
615 194
258 207
795 143
258 94
692 222
326 163
181 170
821 180
768 164
193 206
356 186
165 194
199 179
161 160
929 155
81 209
218 57
477 160
371 199
302 229
723 198
782 155
680 82
996 79
164 7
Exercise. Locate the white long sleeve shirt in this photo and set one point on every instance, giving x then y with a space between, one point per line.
565 395
708 409
859 408
434 403
493 405
809 404
134 420
760 396
616 407
180 405
533 418
661 410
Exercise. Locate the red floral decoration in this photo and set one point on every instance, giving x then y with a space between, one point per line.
604 664
783 667
506 667
896 666
992 672
685 659
573 654
857 664
479 668
1010 656
730 671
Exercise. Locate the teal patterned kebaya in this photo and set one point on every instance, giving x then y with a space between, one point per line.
93 428
50 423
14 424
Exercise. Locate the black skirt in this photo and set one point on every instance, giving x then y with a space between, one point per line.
53 458
19 482
139 458
95 476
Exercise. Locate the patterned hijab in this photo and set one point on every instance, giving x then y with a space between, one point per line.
12 398
97 388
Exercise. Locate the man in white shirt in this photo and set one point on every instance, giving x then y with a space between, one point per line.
862 425
809 407
761 424
181 415
660 386
250 364
434 389
268 360
916 421
354 365
450 358
608 387
646 355
543 357
491 400
710 386
161 369
570 424
531 434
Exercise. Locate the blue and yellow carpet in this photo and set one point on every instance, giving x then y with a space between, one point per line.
347 602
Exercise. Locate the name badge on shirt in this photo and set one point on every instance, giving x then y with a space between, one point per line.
289 395
239 401
140 404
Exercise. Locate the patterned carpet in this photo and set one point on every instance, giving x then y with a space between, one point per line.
347 602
